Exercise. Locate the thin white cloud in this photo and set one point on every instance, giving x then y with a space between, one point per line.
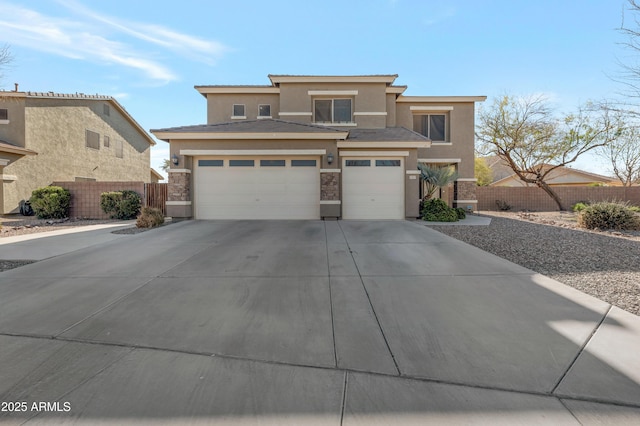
88 40
194 47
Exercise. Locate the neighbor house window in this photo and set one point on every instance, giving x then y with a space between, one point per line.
238 111
332 110
264 111
434 126
106 109
92 139
119 149
4 114
107 142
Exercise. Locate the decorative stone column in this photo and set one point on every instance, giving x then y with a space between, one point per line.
464 194
179 193
330 204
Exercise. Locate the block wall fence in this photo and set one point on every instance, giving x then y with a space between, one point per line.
85 196
535 199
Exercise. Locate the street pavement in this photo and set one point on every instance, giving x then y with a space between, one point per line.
306 322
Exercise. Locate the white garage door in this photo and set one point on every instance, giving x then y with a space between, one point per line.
257 188
372 188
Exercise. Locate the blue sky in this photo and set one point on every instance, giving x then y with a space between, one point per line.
150 54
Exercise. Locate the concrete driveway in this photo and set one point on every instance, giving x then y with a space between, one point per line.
307 322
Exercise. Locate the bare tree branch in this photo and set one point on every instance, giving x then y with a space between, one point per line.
526 135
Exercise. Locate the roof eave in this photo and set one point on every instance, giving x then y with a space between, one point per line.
169 135
387 79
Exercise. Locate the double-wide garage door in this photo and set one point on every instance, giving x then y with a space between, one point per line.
257 188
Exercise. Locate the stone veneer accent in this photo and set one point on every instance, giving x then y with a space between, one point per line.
330 186
465 190
179 186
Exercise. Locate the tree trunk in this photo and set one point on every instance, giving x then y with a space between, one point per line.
546 188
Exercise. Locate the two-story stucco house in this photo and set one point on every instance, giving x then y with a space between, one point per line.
311 147
47 137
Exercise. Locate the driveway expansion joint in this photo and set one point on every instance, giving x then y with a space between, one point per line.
375 315
582 348
346 371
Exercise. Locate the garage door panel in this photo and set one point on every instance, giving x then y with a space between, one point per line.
374 192
260 192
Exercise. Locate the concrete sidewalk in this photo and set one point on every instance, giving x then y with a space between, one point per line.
43 245
308 322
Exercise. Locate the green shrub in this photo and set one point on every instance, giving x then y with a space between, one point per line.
634 209
51 202
436 210
608 215
461 213
578 207
123 204
150 217
503 205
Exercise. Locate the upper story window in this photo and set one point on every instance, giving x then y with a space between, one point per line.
433 126
264 111
107 142
332 111
92 139
4 114
238 111
106 109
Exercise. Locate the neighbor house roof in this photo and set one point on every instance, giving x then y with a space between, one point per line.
251 129
82 96
156 174
10 148
562 176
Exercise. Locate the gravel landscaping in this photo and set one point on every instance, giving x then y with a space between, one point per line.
605 265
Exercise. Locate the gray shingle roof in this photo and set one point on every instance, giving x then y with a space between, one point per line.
268 125
400 134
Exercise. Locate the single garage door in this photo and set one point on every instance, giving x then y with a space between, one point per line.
257 188
373 188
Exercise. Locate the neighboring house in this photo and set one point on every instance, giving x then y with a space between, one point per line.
499 168
47 137
311 147
155 176
562 176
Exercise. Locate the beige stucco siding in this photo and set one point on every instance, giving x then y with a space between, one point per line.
177 145
13 132
220 106
56 132
460 133
370 97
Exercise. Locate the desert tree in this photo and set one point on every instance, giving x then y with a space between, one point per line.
166 165
623 154
483 172
5 59
527 136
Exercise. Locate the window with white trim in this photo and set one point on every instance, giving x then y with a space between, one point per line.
264 110
433 126
4 114
238 111
332 111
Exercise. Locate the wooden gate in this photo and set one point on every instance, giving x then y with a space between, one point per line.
156 195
